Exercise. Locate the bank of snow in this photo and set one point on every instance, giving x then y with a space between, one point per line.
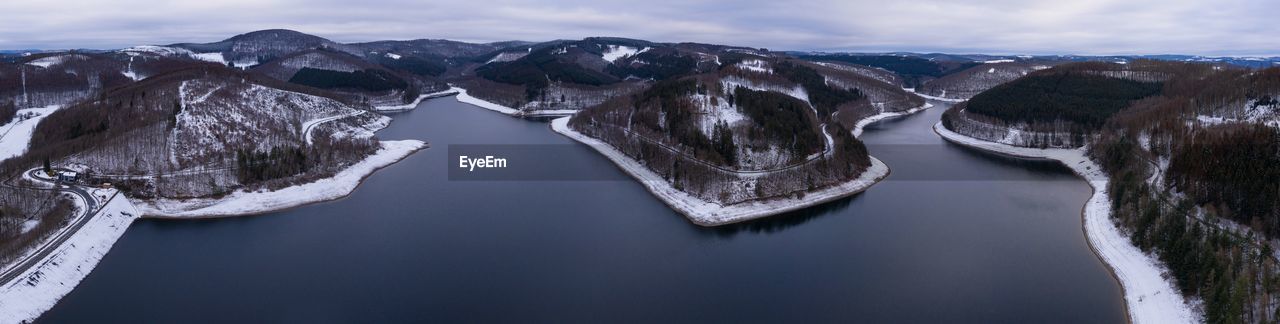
250 203
463 97
41 286
857 128
414 104
707 213
15 135
1149 296
468 99
913 90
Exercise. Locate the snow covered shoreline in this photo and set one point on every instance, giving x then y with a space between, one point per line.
912 90
40 287
468 99
707 213
414 104
242 203
463 97
1149 297
857 129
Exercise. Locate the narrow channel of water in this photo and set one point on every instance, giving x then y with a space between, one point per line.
951 236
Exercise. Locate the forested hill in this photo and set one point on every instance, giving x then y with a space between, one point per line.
1195 180
757 127
574 74
1079 97
965 84
1063 105
1192 151
915 71
198 119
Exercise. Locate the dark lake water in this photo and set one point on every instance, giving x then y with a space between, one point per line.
951 236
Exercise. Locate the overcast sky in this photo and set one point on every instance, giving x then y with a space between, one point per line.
1208 27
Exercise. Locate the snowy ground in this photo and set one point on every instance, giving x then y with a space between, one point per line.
911 90
463 97
615 52
468 99
38 289
251 203
549 113
310 125
1149 296
15 135
414 104
707 213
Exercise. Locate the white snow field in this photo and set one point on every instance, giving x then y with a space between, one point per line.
39 288
1149 296
242 203
707 213
615 52
15 135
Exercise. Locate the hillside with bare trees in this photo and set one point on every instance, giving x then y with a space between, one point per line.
178 135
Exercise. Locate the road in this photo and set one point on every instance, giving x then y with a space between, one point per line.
310 125
51 245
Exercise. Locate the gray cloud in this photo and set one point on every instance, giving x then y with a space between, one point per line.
1221 27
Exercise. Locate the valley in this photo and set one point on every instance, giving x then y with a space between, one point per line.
718 153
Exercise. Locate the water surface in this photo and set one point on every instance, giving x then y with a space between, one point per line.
951 236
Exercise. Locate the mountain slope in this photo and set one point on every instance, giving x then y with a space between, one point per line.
759 128
202 132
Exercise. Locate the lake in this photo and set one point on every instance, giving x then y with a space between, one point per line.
951 236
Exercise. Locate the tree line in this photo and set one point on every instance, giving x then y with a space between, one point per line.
369 79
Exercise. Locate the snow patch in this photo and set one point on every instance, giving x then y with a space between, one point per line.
507 57
28 225
998 61
16 135
393 56
46 62
755 66
796 91
615 52
214 57
157 50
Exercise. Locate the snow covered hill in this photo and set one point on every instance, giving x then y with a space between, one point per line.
732 144
191 133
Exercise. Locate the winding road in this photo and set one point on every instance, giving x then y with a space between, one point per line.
310 125
33 259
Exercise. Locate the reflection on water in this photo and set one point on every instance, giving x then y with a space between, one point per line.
783 221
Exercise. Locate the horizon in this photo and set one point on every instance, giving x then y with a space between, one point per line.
1239 28
1066 53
